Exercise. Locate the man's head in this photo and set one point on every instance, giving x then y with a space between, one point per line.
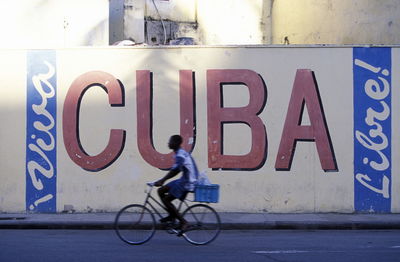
175 142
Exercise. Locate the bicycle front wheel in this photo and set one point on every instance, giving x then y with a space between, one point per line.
204 224
135 224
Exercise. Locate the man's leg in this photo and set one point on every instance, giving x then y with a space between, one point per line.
167 199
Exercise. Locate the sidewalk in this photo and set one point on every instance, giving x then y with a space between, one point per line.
239 221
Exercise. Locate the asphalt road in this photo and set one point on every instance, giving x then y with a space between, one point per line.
253 245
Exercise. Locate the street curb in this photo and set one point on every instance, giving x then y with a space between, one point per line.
229 221
281 225
79 225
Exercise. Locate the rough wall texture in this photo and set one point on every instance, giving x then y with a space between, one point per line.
284 21
209 22
280 129
336 22
38 24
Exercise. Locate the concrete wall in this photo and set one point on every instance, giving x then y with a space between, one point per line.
225 22
40 23
231 22
116 22
336 22
176 10
303 129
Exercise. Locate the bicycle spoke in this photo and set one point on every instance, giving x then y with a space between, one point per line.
204 224
135 224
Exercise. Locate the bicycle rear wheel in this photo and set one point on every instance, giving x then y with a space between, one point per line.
135 224
204 224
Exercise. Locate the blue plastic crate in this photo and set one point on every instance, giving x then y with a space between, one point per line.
207 193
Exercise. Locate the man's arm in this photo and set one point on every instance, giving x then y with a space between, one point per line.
176 168
170 174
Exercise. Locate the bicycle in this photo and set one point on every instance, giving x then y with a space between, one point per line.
135 224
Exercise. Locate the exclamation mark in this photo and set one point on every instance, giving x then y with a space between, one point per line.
40 200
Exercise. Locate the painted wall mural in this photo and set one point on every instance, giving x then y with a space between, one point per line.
372 128
280 129
41 137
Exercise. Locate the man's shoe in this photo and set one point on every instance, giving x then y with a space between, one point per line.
183 227
167 219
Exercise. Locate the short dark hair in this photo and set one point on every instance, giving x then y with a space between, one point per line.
177 139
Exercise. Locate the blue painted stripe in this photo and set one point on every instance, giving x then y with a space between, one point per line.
372 129
41 135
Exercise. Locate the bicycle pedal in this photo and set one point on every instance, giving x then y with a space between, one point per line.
171 231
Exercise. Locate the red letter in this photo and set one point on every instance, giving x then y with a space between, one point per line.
145 122
218 115
71 121
305 92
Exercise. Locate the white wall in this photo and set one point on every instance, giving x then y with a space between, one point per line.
231 22
306 187
41 23
223 22
336 22
176 10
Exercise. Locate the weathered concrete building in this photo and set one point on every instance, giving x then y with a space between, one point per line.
41 23
27 23
226 22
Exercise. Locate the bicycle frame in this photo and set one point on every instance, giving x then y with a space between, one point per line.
131 223
149 197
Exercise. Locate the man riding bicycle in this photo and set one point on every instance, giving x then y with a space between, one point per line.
177 189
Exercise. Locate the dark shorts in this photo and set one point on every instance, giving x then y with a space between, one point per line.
177 189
